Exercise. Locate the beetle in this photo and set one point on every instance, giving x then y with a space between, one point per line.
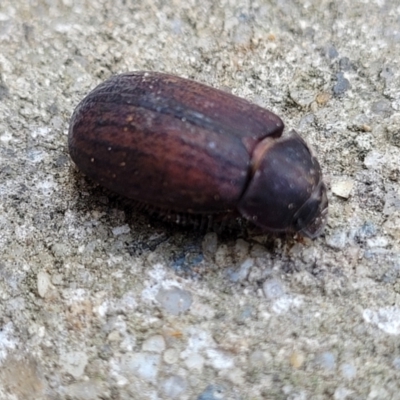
179 146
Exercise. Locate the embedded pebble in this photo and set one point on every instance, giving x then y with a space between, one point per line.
343 188
143 365
302 96
345 64
342 393
342 84
297 359
273 289
120 230
171 356
259 359
74 363
194 362
174 386
241 249
378 393
175 301
374 160
379 241
382 107
222 256
155 344
243 271
329 51
209 245
220 359
348 371
366 230
392 200
213 392
326 361
386 318
43 283
88 390
337 239
396 363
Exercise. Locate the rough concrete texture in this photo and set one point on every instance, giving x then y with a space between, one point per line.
100 301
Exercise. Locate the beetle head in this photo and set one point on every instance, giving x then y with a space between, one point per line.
285 192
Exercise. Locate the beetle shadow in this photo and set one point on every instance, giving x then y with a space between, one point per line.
180 244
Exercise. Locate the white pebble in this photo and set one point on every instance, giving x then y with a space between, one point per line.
174 386
74 363
348 371
195 361
171 356
174 300
144 365
155 344
120 230
343 188
43 283
273 289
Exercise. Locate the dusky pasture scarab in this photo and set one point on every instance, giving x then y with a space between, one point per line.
177 145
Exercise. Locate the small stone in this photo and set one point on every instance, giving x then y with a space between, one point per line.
386 318
241 249
259 359
382 108
171 356
89 390
120 230
220 359
337 240
175 301
393 130
174 386
329 51
302 96
378 241
155 344
273 289
114 336
378 393
195 362
43 283
374 160
348 371
343 188
213 392
209 245
367 230
323 98
297 359
222 256
392 200
235 375
396 363
326 361
345 64
243 271
342 393
143 365
74 363
342 84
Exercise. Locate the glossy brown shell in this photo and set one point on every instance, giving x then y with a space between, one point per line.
181 146
169 142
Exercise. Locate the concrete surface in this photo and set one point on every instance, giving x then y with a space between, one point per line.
99 301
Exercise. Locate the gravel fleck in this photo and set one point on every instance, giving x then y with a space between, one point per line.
175 301
174 386
155 344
